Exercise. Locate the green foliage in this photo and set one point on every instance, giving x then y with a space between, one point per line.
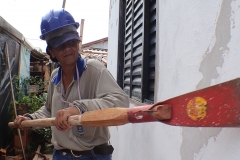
31 147
22 85
34 101
45 133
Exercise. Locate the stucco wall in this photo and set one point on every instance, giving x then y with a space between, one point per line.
197 46
113 38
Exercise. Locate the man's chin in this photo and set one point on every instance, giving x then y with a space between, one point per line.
68 63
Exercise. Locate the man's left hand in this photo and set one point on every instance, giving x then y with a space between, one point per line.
61 120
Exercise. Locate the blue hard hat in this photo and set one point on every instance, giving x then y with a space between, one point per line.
56 19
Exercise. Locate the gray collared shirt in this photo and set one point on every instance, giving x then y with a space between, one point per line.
98 90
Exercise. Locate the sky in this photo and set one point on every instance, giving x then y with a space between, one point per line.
26 15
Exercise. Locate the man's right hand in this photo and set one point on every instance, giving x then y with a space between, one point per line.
18 120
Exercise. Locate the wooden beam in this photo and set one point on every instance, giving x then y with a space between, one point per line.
36 155
81 36
63 5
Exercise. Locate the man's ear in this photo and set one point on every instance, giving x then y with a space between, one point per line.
79 43
51 52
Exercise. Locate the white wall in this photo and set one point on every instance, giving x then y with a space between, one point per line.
197 46
113 39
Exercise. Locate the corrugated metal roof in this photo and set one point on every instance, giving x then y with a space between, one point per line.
13 32
94 42
9 29
38 56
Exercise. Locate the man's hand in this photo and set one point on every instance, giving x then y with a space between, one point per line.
61 120
18 120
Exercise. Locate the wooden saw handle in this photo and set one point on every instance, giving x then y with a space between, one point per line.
109 117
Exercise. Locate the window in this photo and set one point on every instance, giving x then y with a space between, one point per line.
137 49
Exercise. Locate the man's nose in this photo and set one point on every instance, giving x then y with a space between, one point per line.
65 46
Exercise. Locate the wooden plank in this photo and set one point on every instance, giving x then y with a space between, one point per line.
81 36
36 155
3 153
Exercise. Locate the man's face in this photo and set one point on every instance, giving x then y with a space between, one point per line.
66 53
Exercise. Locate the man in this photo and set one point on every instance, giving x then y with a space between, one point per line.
76 87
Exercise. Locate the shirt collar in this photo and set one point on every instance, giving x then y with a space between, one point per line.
81 65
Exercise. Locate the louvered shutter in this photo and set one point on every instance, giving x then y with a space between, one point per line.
128 48
150 51
139 49
134 48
